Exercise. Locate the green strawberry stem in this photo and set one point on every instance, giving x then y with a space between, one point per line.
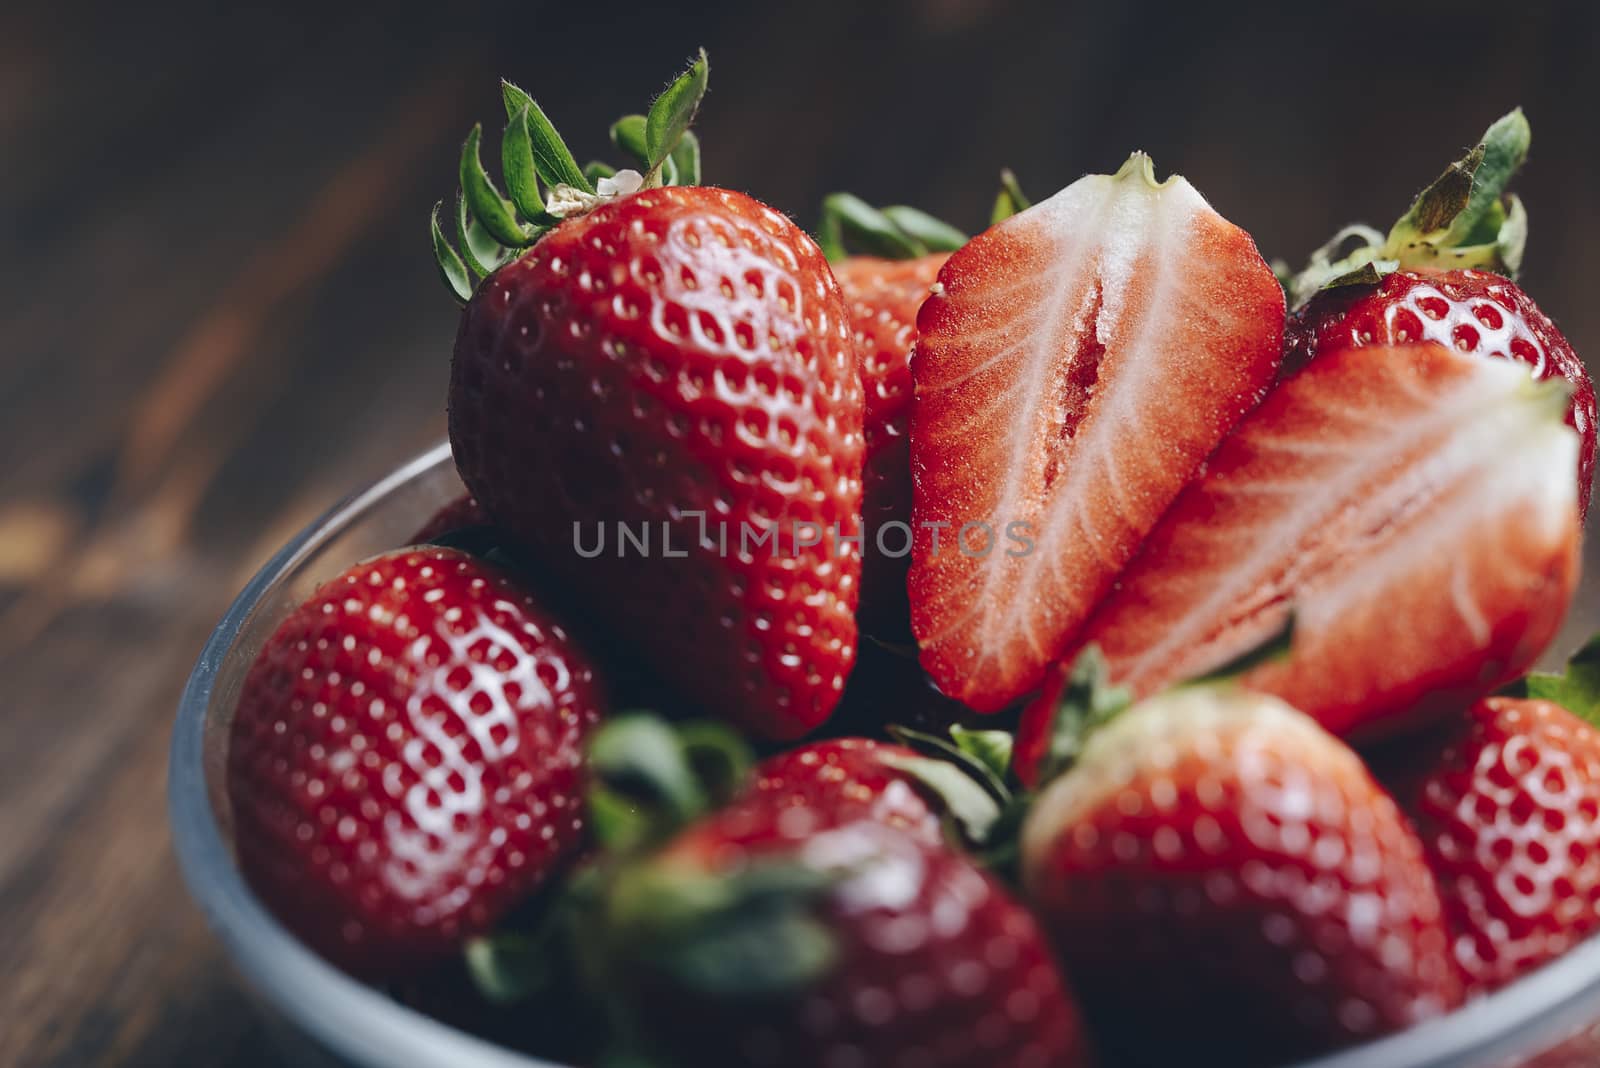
545 184
1463 219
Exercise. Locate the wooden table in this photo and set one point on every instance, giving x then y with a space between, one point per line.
220 314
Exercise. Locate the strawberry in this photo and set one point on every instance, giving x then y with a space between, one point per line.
883 297
1507 803
1418 283
1213 860
463 513
1074 366
857 945
842 780
808 914
405 759
902 251
672 365
899 252
1407 506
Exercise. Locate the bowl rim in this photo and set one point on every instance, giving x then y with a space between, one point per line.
370 1029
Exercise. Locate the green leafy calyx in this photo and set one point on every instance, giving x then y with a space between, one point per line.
1464 218
851 225
1087 703
748 933
544 184
648 778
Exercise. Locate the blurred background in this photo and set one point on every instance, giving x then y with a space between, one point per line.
220 313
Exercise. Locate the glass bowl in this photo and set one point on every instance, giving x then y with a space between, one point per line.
1551 1019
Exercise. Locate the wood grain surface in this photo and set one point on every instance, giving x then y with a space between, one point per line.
220 314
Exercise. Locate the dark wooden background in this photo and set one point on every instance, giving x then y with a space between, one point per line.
218 313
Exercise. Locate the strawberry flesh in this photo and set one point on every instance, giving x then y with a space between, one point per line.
1074 366
1409 505
1472 311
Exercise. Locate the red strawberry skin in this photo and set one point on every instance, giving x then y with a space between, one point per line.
883 297
1218 863
838 781
679 351
460 514
931 956
1472 311
1507 804
405 763
1074 366
1408 504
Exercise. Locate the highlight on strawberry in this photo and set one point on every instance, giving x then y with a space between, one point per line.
1248 743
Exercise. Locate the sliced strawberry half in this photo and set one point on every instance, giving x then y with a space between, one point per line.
1074 366
1412 506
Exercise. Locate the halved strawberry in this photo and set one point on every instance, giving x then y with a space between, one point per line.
1413 508
1074 366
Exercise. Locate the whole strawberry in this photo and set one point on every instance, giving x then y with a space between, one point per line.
1507 803
858 945
661 400
1443 274
1215 861
405 762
